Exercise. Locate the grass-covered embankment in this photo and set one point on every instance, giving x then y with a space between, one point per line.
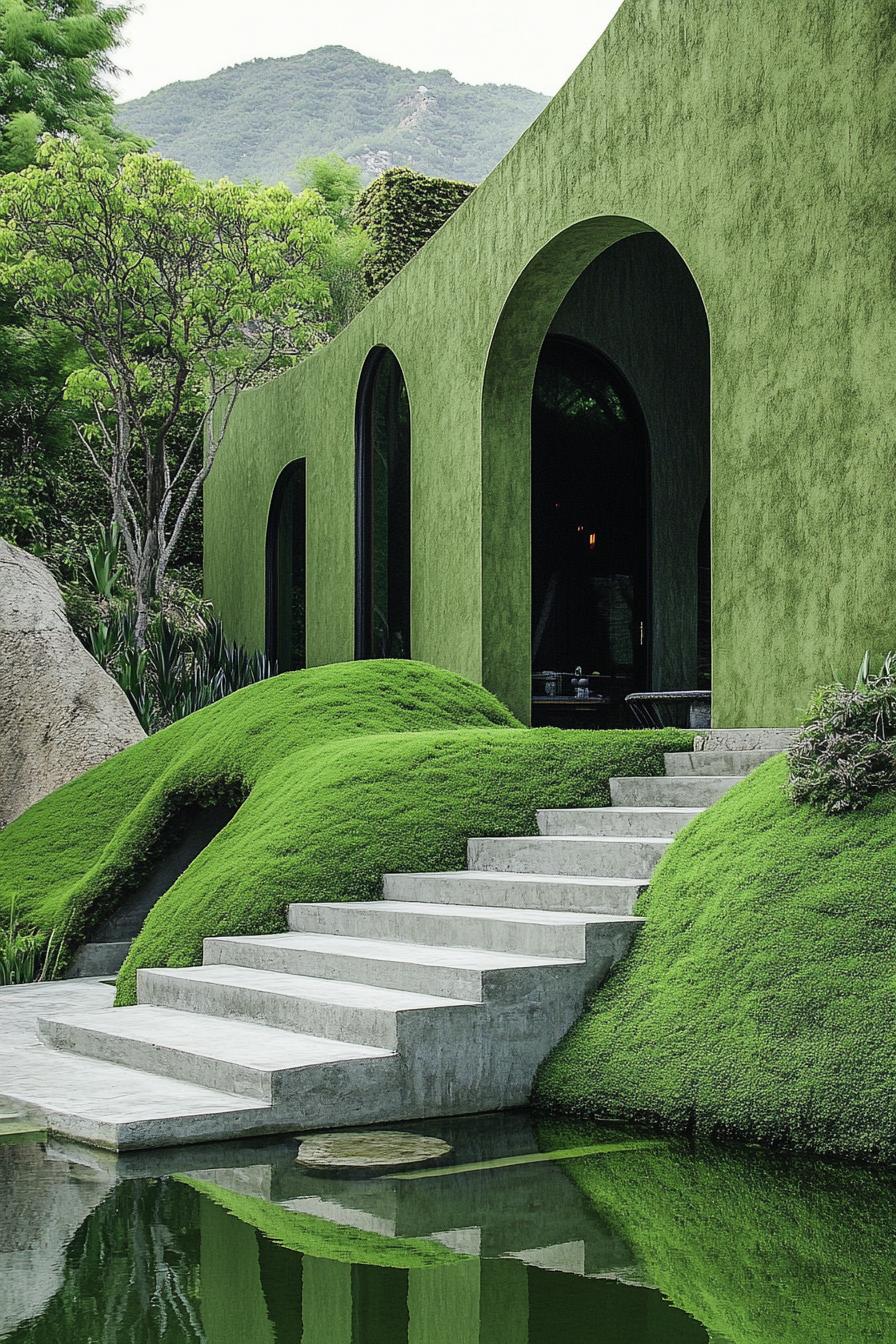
760 997
346 772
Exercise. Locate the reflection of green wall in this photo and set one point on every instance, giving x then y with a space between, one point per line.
638 304
758 139
250 1288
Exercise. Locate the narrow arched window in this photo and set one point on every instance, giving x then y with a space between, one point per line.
383 504
285 571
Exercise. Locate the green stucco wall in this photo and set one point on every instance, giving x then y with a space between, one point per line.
758 138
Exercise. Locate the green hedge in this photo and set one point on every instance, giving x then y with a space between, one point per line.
346 772
761 1249
760 997
399 212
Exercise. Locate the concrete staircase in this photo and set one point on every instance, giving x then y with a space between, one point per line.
441 999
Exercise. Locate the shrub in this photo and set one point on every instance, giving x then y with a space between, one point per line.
27 955
846 751
184 662
399 212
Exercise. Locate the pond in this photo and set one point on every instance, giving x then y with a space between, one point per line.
529 1232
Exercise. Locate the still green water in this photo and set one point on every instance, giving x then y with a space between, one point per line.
623 1243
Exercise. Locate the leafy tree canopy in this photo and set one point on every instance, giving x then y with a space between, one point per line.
179 293
53 56
335 179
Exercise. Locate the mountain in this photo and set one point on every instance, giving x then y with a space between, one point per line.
255 120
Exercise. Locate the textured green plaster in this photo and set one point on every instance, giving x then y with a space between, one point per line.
758 139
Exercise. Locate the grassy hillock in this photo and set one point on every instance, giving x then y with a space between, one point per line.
343 773
760 997
257 119
760 1248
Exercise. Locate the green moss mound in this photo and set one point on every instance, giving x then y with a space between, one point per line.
759 999
761 1249
308 1235
345 772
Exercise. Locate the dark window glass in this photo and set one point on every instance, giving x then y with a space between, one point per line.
285 624
383 599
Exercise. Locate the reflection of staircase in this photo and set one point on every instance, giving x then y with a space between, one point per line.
442 998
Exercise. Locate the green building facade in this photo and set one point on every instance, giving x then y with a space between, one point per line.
631 409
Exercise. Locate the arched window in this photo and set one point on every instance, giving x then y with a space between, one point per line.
285 571
383 503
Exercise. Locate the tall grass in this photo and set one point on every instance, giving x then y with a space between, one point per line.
27 957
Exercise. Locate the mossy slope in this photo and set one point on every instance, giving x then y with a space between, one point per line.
760 1248
760 997
346 772
82 842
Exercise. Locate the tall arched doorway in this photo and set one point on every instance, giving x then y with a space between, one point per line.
590 523
285 571
596 474
383 511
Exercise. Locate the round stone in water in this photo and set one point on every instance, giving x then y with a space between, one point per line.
376 1150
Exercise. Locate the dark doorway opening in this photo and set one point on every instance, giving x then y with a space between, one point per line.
704 602
286 571
185 836
383 503
590 538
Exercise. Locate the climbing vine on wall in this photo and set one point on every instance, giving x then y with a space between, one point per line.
399 211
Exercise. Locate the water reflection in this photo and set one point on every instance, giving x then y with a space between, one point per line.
235 1244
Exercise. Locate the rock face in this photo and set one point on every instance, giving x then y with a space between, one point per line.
60 713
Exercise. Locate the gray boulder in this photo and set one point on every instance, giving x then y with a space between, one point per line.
60 713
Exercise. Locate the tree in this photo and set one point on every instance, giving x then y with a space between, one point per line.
54 55
180 294
334 178
54 59
338 182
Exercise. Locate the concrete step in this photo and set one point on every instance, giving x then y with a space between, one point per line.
449 972
570 856
533 933
520 891
715 762
97 959
616 821
746 739
244 1058
336 1009
670 790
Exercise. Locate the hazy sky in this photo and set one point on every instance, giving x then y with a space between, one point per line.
536 43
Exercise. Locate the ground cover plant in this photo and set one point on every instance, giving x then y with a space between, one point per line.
759 998
761 1248
343 772
846 751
